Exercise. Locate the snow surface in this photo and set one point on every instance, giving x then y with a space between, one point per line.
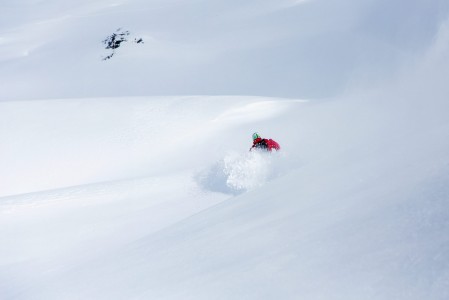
111 187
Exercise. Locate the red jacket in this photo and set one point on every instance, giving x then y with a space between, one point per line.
265 144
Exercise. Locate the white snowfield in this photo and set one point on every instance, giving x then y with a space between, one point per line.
105 194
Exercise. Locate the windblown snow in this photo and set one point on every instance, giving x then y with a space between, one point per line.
130 178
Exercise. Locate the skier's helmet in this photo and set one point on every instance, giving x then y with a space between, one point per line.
255 136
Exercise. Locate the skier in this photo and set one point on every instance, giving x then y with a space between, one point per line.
264 144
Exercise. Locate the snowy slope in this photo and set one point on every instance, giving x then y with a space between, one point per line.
110 191
347 216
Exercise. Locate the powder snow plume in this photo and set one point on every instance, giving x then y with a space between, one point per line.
237 172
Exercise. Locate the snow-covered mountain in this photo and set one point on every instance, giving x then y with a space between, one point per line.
283 48
130 177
